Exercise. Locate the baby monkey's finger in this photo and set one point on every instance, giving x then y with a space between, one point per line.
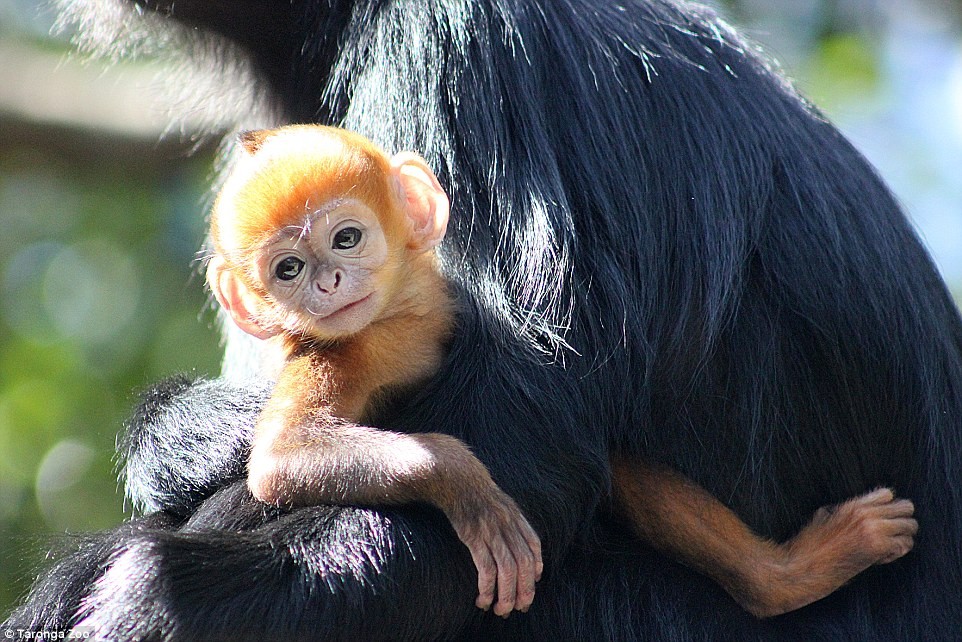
534 543
487 574
507 576
528 571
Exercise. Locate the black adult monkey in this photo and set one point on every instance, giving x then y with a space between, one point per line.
661 251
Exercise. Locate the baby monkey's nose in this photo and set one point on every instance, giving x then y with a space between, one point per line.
328 281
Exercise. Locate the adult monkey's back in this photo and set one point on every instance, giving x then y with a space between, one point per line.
662 251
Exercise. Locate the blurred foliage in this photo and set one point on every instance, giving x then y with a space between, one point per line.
98 298
842 68
99 294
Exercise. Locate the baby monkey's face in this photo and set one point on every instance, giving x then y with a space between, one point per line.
317 233
324 276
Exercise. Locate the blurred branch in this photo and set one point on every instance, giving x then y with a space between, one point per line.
85 110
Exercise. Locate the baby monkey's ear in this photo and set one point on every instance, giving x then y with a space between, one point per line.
424 200
234 296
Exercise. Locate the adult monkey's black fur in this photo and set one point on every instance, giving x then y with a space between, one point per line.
661 251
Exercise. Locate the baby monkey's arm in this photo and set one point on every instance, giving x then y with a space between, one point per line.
304 454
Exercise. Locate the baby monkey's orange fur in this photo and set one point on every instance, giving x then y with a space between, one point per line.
680 518
322 239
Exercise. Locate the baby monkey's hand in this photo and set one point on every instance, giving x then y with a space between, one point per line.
505 549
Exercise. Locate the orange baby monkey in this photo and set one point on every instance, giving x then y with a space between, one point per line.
323 240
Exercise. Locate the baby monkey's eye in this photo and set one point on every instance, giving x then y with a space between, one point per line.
288 268
347 238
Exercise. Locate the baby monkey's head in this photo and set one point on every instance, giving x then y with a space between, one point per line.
316 230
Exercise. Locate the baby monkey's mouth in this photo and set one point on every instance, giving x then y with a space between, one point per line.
344 308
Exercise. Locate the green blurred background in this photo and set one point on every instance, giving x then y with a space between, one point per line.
102 212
